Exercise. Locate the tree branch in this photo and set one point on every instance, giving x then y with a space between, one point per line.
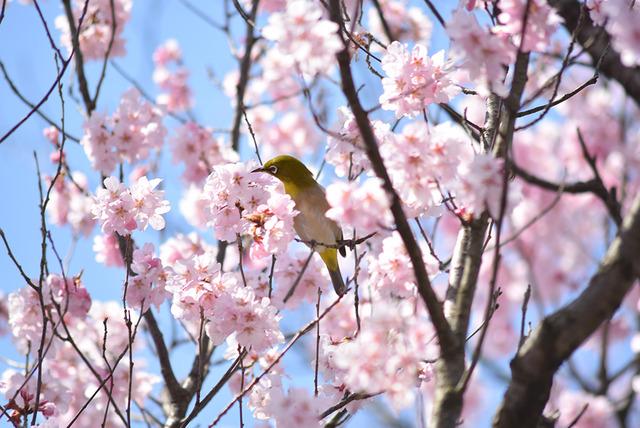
448 344
562 332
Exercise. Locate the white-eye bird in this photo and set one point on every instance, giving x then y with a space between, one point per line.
311 224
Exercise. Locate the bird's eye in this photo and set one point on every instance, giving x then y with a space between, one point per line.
273 169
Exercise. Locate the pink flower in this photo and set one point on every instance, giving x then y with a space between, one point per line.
107 250
271 225
147 287
346 151
287 270
96 31
200 151
306 40
480 185
232 191
129 135
542 22
622 25
69 203
177 94
414 80
353 205
123 210
599 412
405 23
483 54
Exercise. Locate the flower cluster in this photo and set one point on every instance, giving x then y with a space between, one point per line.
70 203
120 209
405 23
128 135
542 22
414 80
481 53
71 375
204 295
240 202
346 150
196 147
96 36
177 94
388 355
348 201
146 288
622 19
303 38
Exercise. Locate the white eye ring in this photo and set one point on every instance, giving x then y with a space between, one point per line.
273 169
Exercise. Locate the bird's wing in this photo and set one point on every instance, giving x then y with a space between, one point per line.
311 224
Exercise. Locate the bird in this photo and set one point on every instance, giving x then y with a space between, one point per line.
311 224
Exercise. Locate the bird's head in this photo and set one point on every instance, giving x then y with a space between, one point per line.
288 170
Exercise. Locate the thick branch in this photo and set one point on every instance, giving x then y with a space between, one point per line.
562 332
434 307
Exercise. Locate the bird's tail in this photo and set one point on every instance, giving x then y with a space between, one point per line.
330 258
337 281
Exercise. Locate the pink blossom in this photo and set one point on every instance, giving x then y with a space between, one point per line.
196 147
292 133
271 225
542 22
480 185
391 272
296 408
70 203
405 23
306 40
177 94
95 34
167 53
287 270
128 135
353 205
483 54
146 288
414 80
232 191
346 150
194 206
622 25
389 352
123 210
599 412
107 250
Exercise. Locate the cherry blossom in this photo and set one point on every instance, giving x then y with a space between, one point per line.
483 54
348 201
414 80
70 202
303 37
177 94
406 23
542 22
95 34
199 151
122 210
107 250
128 135
346 150
622 18
146 288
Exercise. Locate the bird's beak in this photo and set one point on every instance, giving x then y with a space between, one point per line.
261 169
